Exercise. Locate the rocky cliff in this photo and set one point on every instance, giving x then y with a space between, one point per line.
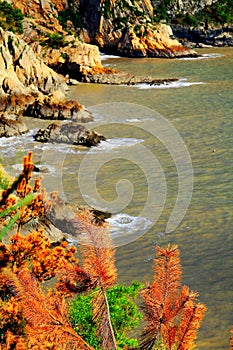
125 27
198 22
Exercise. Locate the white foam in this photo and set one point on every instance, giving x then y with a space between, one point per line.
113 144
201 57
10 146
104 56
171 85
138 120
122 224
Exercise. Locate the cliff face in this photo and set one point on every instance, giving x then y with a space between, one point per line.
22 71
126 27
45 35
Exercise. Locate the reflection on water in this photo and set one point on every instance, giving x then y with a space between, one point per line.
202 114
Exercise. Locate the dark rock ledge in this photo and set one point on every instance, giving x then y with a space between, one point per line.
121 78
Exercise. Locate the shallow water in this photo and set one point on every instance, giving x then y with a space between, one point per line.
143 148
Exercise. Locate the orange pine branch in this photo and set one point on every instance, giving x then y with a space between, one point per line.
13 197
99 261
72 279
46 316
170 309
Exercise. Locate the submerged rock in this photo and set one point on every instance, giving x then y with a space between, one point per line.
69 133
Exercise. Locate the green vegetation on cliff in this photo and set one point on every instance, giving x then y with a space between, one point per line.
220 12
10 18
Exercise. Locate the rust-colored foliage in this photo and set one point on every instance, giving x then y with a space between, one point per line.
170 309
46 316
45 260
231 340
21 188
99 261
72 279
11 316
97 250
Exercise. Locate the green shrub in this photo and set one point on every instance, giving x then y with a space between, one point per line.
123 310
70 15
54 40
10 18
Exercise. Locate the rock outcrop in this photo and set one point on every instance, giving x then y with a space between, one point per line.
125 79
186 6
29 87
126 27
21 71
69 133
74 59
200 37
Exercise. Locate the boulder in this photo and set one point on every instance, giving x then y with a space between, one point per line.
69 133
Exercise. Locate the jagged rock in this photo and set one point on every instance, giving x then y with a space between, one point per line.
11 125
54 234
153 44
21 71
63 215
199 37
69 133
41 9
187 6
56 107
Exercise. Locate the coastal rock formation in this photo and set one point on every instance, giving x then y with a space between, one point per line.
29 87
125 79
56 107
199 36
63 216
74 58
69 133
152 44
22 71
187 6
126 27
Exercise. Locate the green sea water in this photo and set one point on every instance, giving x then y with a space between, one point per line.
203 116
200 107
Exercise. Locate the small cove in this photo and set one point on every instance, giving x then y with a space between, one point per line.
201 109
